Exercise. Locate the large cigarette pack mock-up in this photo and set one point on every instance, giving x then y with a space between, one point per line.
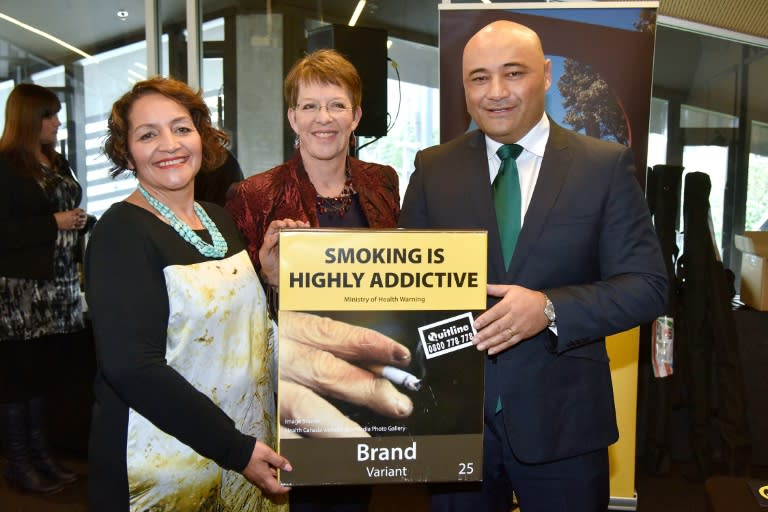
378 379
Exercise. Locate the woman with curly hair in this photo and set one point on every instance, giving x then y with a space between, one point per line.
184 412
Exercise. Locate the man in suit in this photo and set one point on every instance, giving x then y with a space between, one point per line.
586 264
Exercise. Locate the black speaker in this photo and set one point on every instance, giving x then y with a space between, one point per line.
366 49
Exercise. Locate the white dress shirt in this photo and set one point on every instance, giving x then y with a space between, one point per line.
528 163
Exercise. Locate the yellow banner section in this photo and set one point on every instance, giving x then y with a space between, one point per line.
385 270
622 350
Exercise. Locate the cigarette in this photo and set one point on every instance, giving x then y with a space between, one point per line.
397 376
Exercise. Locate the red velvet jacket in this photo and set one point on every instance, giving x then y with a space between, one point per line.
285 192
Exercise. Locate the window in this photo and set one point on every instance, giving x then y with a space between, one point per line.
105 77
657 138
413 106
709 115
757 187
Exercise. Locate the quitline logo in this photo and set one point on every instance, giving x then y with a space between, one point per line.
447 335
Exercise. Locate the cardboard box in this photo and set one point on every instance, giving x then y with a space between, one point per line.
754 268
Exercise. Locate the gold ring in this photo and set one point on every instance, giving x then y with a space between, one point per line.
510 332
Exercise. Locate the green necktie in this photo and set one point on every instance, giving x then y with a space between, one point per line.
506 198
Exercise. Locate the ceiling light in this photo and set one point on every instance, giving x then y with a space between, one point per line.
45 35
122 14
356 14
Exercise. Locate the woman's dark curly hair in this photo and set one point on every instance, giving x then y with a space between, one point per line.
214 141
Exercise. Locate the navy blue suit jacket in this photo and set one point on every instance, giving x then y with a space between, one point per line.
587 241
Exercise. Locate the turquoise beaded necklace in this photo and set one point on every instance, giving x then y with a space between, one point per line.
219 247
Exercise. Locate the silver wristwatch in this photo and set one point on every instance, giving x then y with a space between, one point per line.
549 311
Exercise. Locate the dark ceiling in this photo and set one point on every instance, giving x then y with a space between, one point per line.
93 24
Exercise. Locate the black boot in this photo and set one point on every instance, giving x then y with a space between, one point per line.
19 471
39 454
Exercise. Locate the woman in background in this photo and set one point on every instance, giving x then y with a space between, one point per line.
39 280
320 186
184 400
212 185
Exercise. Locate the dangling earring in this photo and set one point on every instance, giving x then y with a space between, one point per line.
296 142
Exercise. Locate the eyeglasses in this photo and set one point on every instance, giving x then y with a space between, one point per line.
334 107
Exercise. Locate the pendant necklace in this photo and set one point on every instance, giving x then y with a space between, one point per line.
216 250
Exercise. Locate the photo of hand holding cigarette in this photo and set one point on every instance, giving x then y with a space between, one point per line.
322 358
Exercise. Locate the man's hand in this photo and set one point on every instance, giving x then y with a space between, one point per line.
324 357
261 470
269 252
516 317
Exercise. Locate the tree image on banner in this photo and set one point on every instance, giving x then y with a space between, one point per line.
590 105
647 21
